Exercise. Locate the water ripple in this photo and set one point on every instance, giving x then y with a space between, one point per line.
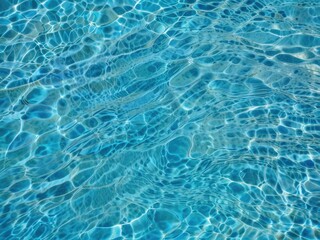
188 119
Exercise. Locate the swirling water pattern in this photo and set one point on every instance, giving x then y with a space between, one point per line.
164 119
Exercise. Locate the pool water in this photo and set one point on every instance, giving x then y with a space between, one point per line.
164 119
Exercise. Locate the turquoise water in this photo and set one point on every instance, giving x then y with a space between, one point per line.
160 119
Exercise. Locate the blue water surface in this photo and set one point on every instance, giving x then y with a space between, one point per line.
164 119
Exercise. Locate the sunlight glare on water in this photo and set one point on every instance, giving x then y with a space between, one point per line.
164 119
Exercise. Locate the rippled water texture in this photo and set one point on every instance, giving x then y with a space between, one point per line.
161 119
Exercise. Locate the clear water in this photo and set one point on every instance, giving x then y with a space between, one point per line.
160 119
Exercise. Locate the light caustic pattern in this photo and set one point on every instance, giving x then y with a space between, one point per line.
159 119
